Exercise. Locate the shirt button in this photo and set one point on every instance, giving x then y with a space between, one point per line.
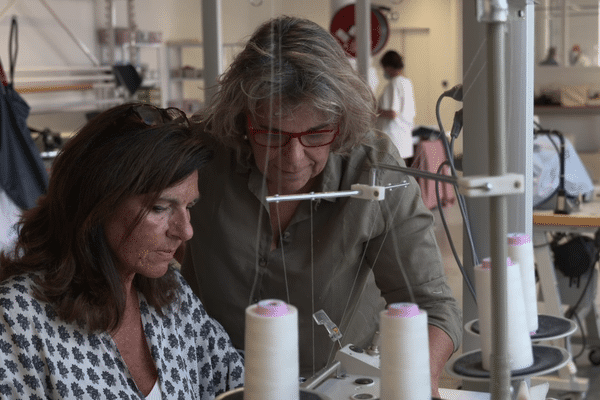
255 300
262 262
286 235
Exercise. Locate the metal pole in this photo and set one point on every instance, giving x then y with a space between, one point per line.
363 37
500 373
213 46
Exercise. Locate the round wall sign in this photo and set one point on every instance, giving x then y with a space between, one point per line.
343 28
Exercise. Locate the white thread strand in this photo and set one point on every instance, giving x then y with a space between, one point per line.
312 284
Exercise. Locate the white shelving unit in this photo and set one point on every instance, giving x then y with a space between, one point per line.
178 77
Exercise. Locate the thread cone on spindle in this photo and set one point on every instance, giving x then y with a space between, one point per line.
520 250
271 352
520 352
405 373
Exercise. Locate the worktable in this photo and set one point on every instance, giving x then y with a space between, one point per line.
585 220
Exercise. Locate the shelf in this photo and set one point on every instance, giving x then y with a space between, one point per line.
560 110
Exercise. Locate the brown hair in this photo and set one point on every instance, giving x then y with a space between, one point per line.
392 59
286 63
113 157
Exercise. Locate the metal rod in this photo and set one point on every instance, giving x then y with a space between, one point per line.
213 46
420 173
320 377
500 372
311 196
362 19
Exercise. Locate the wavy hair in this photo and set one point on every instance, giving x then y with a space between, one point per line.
113 157
289 62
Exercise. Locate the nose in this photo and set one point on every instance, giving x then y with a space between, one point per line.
180 226
293 152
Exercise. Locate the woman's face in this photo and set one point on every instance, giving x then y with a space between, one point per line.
152 243
293 167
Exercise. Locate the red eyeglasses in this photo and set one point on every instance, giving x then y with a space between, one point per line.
267 138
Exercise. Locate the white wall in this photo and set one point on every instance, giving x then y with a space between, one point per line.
42 41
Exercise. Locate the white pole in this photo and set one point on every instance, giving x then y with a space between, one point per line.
212 45
363 37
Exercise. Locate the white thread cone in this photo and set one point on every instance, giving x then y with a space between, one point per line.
271 351
405 373
519 343
520 250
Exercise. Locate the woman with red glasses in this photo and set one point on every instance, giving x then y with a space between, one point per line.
291 116
90 305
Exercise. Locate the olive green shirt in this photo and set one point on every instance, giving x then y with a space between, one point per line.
341 256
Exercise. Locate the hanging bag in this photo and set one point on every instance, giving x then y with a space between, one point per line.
23 175
575 257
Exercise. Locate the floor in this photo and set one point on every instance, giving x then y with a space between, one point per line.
454 221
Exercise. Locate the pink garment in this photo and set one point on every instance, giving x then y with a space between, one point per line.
429 154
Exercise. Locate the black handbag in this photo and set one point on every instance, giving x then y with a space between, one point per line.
575 257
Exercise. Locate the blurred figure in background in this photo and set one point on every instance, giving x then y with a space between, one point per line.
396 105
578 58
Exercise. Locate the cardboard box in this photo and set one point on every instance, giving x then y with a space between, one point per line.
573 96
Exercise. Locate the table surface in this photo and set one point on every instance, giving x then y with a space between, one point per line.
588 216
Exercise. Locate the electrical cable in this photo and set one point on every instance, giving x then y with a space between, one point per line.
583 338
456 93
449 236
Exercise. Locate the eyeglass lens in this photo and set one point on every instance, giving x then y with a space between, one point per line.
153 116
150 115
279 139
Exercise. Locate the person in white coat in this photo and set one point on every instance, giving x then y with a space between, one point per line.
396 105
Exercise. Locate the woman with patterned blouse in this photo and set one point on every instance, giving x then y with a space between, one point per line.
90 306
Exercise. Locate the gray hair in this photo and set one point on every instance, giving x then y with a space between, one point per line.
289 62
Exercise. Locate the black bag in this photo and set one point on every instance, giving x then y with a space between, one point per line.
575 257
23 175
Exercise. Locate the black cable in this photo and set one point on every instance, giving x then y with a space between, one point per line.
583 338
449 236
454 93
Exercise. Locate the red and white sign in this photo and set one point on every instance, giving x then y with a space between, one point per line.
343 28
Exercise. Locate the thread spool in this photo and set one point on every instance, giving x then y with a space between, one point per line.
271 351
405 372
520 250
520 353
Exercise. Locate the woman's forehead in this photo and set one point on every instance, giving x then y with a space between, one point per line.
273 113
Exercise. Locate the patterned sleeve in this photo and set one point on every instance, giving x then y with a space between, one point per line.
21 369
218 361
